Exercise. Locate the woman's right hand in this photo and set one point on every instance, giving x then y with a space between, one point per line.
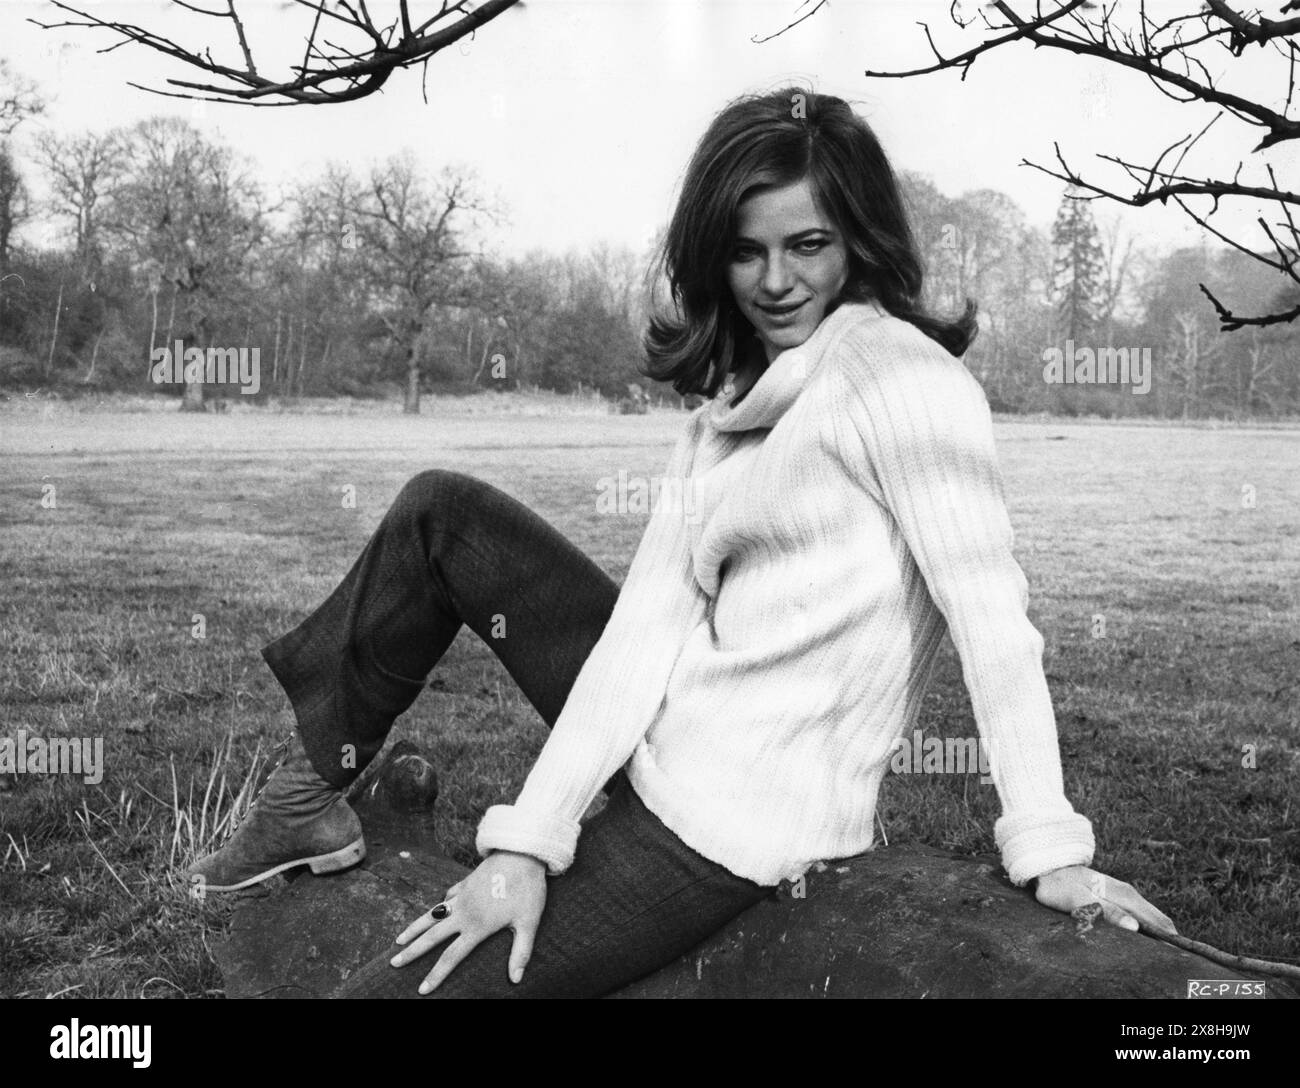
506 891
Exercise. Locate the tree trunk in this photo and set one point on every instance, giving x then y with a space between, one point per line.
275 359
153 327
411 405
288 356
302 356
414 330
192 394
54 336
192 397
1255 375
94 354
482 362
171 320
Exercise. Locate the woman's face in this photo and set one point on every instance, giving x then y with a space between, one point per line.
788 264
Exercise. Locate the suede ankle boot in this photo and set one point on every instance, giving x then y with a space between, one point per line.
296 819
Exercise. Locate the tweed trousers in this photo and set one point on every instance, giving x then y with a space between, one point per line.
454 551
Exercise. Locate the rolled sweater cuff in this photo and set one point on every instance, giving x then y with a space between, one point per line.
551 839
1035 843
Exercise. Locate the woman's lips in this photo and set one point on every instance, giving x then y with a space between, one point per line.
783 313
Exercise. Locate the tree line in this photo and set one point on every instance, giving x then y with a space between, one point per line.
347 284
1091 287
357 283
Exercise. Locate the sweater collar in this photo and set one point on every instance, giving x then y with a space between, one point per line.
783 380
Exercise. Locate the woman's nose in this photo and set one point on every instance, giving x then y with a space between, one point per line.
777 278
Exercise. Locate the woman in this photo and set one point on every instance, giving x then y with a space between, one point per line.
741 695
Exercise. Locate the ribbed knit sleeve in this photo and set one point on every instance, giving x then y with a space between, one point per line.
917 424
619 688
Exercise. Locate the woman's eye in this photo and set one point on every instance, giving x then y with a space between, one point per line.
811 245
744 253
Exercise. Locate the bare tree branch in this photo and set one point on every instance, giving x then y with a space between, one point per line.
337 73
790 26
1166 53
1245 33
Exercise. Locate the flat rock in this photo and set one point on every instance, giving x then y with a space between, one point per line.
897 922
303 936
914 922
306 939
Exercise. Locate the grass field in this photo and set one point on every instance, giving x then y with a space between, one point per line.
241 518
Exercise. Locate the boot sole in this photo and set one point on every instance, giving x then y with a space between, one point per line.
321 864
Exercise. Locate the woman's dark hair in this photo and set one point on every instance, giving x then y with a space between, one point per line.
766 141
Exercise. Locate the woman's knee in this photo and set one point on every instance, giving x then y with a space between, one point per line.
437 488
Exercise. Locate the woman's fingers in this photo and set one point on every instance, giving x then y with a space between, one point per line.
1118 916
1121 904
1125 897
432 936
522 950
461 947
1159 921
427 919
474 909
1115 899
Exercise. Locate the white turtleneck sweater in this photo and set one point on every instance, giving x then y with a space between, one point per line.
777 628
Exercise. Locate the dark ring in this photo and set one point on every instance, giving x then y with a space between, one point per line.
440 911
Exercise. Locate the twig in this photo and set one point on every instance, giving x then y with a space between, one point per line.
807 15
1224 959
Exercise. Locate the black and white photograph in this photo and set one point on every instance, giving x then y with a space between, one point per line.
661 499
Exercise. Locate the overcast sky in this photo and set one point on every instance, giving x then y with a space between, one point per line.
581 114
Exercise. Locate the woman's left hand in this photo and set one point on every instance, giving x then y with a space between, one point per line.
1076 886
506 891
